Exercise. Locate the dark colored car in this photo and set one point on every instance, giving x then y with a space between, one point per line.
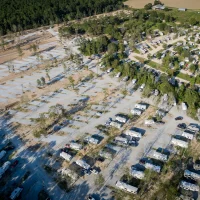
160 122
182 126
9 148
178 118
15 163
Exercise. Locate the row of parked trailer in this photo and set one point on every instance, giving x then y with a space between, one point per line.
119 121
188 134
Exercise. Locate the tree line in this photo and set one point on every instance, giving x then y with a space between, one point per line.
18 15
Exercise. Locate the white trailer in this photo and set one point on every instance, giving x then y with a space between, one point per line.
124 186
193 128
141 106
133 133
192 175
75 146
153 167
121 140
66 156
136 111
137 174
68 172
187 135
189 186
83 164
91 140
149 122
16 192
116 124
121 119
2 154
157 155
179 143
4 168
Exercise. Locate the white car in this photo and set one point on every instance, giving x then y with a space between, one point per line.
134 81
118 75
109 70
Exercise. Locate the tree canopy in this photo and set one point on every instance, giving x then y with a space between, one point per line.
17 15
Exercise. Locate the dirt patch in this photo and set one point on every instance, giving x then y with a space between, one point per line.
189 4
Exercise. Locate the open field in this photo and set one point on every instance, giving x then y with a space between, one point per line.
189 4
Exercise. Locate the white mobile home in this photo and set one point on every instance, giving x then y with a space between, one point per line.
193 128
149 122
75 146
137 174
121 119
141 106
179 143
187 135
136 111
189 186
153 167
133 133
192 175
16 193
4 168
66 156
129 188
83 164
92 140
121 140
2 154
116 124
157 155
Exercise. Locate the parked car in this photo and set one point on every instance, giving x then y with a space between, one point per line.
99 114
95 170
160 122
15 163
118 74
125 78
9 147
178 118
109 70
182 126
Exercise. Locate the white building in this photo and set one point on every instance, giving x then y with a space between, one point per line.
2 154
137 174
75 146
179 143
136 111
16 192
129 188
189 186
141 106
66 156
68 172
192 175
133 133
157 155
83 164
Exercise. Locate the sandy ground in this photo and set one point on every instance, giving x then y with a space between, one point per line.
190 4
